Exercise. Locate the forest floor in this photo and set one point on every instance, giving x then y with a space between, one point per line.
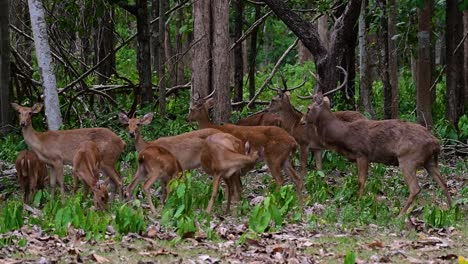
399 240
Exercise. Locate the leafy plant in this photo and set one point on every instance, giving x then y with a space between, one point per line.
350 258
437 217
11 217
128 219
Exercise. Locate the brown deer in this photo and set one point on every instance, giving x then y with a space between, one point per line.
155 163
305 134
31 174
57 148
186 147
278 145
262 118
222 156
86 166
391 142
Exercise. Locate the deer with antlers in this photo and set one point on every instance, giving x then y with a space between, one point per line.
305 134
185 148
57 148
391 142
278 145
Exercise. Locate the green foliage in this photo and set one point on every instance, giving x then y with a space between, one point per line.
317 186
350 258
129 220
11 217
437 217
275 207
10 146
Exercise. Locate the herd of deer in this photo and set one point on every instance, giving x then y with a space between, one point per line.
226 151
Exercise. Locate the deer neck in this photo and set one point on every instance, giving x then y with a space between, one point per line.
31 137
140 143
204 121
329 126
290 118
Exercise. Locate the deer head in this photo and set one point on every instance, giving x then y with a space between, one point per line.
200 106
133 124
101 196
319 104
25 113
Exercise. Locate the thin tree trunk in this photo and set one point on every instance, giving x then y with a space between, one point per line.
465 61
324 33
154 34
144 53
384 57
364 69
393 56
46 69
253 56
424 66
220 47
105 44
238 54
161 57
201 73
454 92
5 96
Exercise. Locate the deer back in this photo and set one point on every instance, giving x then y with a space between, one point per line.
31 172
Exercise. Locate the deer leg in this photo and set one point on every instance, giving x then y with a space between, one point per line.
433 170
274 165
164 191
409 174
304 151
216 180
230 186
115 181
318 159
297 180
362 167
58 169
146 188
75 182
139 176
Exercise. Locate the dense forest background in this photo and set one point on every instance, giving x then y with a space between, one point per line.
405 59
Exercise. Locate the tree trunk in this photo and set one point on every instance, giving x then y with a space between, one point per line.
201 72
384 58
424 66
324 33
393 56
303 53
253 55
144 53
454 79
238 54
5 96
154 34
364 69
465 54
220 47
161 58
105 44
46 69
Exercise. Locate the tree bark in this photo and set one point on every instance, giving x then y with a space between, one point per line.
220 47
44 59
324 33
364 69
424 66
465 61
253 55
144 53
454 79
105 44
238 54
5 96
201 72
154 34
384 58
393 56
161 58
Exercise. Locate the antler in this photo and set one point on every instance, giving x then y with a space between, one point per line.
211 94
331 91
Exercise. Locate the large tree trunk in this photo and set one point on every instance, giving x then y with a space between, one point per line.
454 92
161 59
201 73
364 69
393 55
424 66
465 61
384 58
324 33
144 53
5 97
105 44
46 69
253 55
154 34
220 47
238 54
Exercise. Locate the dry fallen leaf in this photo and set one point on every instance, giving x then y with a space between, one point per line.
99 259
376 245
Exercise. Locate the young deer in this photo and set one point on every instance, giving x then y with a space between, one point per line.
86 166
391 142
305 134
222 156
31 174
57 148
262 118
186 147
276 142
155 163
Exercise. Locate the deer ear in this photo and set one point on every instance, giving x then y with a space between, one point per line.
36 108
16 106
146 119
210 103
123 118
